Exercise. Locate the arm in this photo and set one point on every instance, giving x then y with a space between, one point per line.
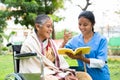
80 57
92 62
97 57
101 55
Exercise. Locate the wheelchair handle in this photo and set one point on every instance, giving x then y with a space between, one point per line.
30 54
9 44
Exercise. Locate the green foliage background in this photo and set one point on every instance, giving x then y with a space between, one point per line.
59 34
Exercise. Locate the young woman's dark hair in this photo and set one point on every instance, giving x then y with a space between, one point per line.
89 15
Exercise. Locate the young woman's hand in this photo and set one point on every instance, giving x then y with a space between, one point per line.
67 35
77 56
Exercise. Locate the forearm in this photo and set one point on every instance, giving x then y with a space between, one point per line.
86 60
96 63
93 63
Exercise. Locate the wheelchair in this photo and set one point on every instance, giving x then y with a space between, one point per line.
16 60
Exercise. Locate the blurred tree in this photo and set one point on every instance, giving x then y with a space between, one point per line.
2 21
24 11
2 24
86 6
7 37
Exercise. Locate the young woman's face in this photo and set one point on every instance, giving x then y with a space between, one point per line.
85 25
45 30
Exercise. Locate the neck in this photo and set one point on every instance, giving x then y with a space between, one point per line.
88 37
40 37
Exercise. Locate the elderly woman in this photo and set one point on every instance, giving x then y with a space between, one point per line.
39 41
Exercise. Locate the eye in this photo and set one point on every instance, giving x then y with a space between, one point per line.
85 25
48 26
79 24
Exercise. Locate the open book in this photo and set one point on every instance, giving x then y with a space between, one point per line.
84 50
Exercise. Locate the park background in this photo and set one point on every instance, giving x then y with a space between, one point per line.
107 14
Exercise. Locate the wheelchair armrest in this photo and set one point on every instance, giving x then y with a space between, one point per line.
9 44
24 55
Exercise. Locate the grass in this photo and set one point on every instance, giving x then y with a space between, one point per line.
6 66
114 67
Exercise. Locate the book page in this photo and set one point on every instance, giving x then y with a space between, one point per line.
64 50
84 50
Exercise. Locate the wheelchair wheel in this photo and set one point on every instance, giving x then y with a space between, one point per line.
13 76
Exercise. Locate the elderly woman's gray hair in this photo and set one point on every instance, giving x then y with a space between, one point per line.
41 19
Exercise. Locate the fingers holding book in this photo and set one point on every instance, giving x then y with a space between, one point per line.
77 56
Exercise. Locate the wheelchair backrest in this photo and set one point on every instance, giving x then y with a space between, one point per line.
16 50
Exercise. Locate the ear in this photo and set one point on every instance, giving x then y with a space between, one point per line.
37 27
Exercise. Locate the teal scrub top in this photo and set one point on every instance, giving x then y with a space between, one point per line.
98 45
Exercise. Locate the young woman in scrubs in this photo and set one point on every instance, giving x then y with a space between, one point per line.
96 60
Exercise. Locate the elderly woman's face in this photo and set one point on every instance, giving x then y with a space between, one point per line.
45 30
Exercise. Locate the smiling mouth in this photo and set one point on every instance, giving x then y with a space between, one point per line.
82 30
49 32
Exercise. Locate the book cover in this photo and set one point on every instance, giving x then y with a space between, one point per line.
84 50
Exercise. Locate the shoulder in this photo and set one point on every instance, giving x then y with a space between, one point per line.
99 37
53 43
76 37
31 39
74 41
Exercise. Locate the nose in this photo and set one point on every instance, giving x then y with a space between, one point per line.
81 26
51 29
